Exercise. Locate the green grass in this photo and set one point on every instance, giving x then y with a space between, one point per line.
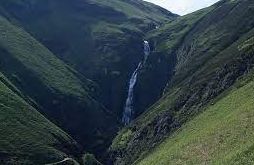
132 9
35 57
26 136
121 141
222 134
170 35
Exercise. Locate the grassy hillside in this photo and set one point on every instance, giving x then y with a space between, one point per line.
54 88
36 57
222 134
138 9
26 136
71 61
203 50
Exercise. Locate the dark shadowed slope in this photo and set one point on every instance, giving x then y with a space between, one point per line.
101 39
53 87
26 136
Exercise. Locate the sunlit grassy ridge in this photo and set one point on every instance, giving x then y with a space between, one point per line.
222 134
170 35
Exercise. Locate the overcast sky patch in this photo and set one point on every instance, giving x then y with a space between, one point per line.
183 7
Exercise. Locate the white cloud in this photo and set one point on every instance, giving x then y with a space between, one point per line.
183 6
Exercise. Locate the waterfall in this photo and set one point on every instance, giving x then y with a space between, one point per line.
128 109
146 50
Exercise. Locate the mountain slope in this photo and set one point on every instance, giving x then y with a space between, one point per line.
203 50
26 136
138 9
100 39
53 87
71 61
50 49
222 134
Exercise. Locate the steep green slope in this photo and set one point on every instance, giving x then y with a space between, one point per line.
54 88
36 57
101 39
222 134
204 53
26 136
161 63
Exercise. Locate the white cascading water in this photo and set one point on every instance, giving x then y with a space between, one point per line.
146 50
128 109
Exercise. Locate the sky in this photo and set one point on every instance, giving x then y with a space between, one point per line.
183 7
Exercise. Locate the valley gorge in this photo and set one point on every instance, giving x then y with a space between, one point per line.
122 82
